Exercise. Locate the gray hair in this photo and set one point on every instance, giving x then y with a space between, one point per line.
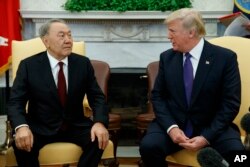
44 29
190 18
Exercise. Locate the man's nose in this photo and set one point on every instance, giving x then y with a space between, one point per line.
169 36
68 39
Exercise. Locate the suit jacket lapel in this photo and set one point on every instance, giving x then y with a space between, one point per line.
178 79
205 63
72 76
46 74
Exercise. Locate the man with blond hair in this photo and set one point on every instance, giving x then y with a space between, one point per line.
196 96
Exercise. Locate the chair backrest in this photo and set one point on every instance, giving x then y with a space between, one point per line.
152 71
27 48
241 47
102 74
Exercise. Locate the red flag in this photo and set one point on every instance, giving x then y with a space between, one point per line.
10 29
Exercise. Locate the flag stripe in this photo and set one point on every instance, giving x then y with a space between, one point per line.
10 29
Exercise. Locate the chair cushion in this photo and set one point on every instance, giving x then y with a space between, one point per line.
59 153
184 157
51 154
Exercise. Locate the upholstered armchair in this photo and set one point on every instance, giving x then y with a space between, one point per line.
60 153
142 120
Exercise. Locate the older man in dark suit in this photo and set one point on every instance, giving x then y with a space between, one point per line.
196 95
54 83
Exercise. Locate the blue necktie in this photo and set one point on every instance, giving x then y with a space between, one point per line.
188 82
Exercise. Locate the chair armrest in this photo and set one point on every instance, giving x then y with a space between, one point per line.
87 109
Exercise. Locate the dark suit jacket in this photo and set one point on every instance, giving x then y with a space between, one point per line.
216 93
34 83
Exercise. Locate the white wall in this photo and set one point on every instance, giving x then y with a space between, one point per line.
213 5
117 49
45 5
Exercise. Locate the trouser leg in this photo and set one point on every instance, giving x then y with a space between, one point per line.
233 147
155 146
91 153
30 159
229 145
26 159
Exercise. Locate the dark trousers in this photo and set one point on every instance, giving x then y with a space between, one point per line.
80 136
157 144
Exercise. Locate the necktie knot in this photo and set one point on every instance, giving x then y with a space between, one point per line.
188 76
188 55
60 65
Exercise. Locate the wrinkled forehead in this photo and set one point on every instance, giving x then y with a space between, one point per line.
176 24
59 28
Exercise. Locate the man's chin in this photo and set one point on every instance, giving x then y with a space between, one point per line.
67 52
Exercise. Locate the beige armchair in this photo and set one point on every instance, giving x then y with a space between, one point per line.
241 47
60 153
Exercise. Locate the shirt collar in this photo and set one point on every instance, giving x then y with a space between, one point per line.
196 51
54 62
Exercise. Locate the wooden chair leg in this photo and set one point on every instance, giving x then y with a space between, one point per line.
114 138
140 163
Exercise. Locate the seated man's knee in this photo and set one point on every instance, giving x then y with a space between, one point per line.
149 145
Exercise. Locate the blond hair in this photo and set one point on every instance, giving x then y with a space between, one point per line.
191 20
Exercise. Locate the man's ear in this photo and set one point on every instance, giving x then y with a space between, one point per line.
192 33
45 41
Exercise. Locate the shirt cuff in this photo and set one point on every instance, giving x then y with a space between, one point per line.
22 125
171 127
